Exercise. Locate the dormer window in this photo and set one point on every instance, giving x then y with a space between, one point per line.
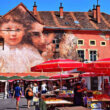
76 22
67 23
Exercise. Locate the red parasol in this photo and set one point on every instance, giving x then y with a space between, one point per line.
99 66
92 74
57 65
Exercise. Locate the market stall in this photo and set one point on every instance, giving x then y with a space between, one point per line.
72 108
98 100
52 103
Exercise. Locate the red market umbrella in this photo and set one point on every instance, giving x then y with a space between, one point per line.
57 65
102 63
92 74
99 66
62 76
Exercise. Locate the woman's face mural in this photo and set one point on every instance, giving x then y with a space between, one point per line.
38 39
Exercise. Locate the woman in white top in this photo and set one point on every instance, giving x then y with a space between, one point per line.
35 89
43 88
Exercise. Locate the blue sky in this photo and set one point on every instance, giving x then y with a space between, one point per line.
53 5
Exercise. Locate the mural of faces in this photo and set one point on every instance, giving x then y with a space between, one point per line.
31 45
38 39
12 33
67 46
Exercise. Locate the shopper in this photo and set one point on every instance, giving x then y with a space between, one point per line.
16 94
29 95
43 88
35 89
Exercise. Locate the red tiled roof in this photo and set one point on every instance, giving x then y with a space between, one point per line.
85 19
52 19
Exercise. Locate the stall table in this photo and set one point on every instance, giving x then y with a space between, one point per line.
71 108
49 95
58 102
68 97
52 103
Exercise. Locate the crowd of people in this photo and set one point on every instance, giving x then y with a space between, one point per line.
35 88
30 91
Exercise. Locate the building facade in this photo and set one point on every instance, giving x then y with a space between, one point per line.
28 38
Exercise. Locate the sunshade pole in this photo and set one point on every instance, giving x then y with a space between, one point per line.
61 79
102 84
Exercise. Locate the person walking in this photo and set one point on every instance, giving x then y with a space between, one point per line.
35 89
29 95
16 94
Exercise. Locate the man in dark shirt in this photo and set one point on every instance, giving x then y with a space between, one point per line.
78 94
17 93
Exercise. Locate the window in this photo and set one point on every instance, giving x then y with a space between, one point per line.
92 42
67 23
103 43
81 54
93 55
76 22
1 44
56 41
80 42
57 45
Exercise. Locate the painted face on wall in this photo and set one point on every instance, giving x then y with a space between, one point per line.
38 38
12 33
67 46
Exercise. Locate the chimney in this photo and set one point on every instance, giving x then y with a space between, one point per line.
94 11
61 10
98 18
35 9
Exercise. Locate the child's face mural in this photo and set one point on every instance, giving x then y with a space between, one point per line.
12 33
38 39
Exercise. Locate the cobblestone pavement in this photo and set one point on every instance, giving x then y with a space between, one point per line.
10 104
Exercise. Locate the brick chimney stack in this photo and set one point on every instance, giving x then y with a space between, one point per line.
94 11
98 17
35 9
61 10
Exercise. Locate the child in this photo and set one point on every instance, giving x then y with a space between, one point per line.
17 56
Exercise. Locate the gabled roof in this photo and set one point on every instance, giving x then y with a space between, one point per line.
21 12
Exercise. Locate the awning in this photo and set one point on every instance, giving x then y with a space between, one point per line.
29 78
14 77
3 78
42 77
